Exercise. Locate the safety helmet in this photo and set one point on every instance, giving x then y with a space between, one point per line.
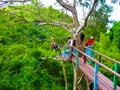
91 37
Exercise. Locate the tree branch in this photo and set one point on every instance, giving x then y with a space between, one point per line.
74 3
65 76
66 6
86 18
66 26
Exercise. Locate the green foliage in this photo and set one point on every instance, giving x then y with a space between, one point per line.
25 54
115 34
108 48
104 42
98 22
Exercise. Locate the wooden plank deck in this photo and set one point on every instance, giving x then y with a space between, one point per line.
103 82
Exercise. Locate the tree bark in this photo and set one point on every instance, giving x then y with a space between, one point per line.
77 28
65 77
75 19
81 27
75 77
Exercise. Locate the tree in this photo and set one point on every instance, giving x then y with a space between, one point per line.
98 21
22 50
78 27
115 34
72 8
89 5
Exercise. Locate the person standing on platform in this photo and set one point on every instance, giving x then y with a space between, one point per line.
70 43
82 36
53 44
89 44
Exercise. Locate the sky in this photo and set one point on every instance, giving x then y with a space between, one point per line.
115 14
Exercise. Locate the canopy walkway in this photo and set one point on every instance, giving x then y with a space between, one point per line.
91 73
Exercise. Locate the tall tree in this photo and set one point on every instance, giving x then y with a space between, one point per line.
73 9
90 5
98 21
78 27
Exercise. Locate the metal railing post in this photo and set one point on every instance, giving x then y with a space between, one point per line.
77 61
96 77
115 77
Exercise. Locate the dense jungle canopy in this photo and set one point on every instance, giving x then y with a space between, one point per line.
26 56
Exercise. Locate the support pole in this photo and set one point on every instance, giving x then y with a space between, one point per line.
75 66
115 77
65 76
77 62
96 77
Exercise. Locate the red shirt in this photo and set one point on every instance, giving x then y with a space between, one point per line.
90 42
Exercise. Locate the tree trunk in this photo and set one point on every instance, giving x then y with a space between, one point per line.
75 67
75 19
77 41
65 77
75 77
78 28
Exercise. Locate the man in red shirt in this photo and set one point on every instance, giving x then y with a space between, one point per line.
89 44
90 41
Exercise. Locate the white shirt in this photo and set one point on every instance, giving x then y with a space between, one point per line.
70 42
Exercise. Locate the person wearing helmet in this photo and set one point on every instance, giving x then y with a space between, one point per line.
89 44
53 44
90 41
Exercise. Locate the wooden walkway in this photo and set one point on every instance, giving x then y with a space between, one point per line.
88 71
103 82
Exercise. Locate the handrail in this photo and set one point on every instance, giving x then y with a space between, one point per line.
100 64
113 60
